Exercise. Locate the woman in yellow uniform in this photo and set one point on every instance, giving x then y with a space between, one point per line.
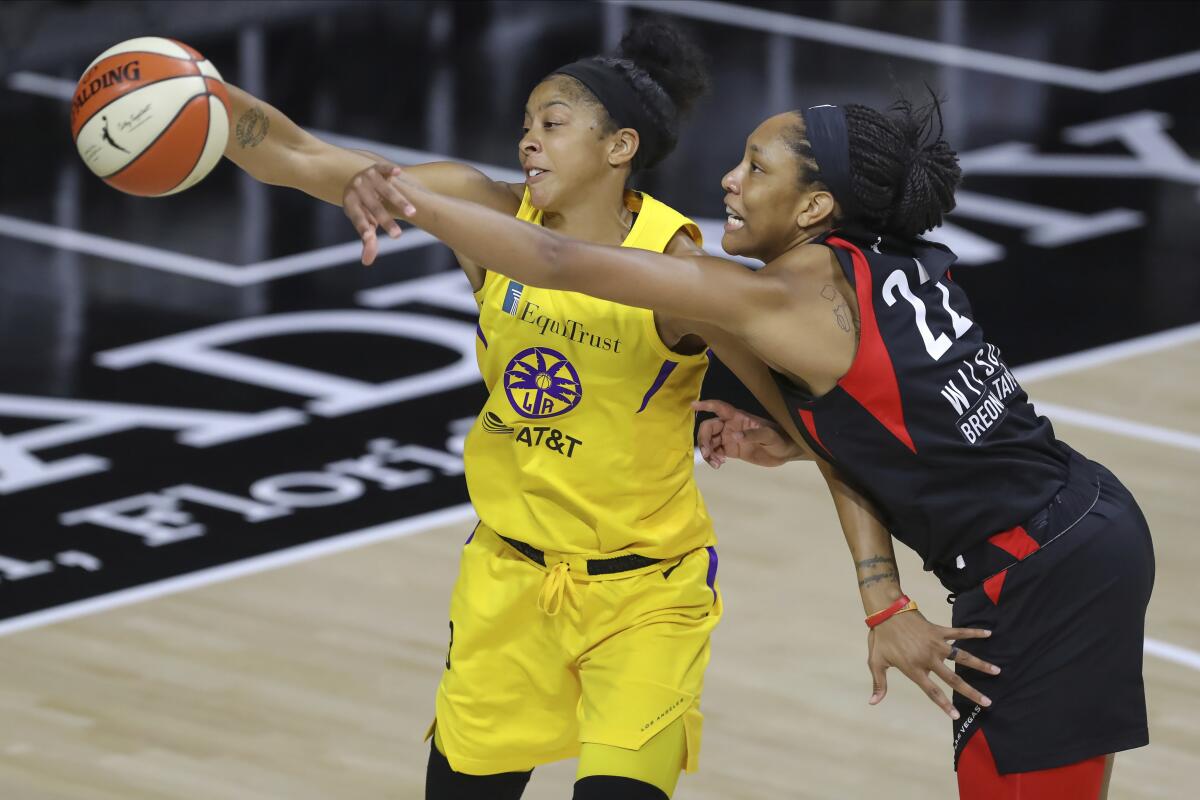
581 617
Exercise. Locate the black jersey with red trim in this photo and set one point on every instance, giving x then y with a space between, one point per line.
929 422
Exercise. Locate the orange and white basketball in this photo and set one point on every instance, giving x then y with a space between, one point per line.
150 116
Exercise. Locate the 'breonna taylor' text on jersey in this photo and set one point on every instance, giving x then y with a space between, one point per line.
929 422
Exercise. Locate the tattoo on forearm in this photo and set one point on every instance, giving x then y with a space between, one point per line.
874 561
252 127
871 580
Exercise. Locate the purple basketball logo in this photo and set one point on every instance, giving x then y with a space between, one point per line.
541 383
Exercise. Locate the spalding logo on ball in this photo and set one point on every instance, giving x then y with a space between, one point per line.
150 116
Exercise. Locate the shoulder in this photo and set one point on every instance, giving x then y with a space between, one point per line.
797 282
683 244
665 223
805 264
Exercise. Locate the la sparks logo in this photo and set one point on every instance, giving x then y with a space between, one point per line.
541 383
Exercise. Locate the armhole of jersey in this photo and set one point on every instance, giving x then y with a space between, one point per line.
693 231
489 279
847 266
525 213
648 208
652 329
661 347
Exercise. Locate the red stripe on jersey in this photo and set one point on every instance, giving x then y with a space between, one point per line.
1016 542
980 779
993 585
809 423
871 380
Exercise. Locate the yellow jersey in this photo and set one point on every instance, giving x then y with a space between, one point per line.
585 442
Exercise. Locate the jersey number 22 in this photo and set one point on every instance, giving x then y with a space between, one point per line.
937 345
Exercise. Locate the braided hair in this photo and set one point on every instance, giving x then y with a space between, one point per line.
902 175
669 73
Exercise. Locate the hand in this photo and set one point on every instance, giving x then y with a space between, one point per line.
916 647
733 433
364 199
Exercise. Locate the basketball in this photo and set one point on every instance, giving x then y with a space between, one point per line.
150 116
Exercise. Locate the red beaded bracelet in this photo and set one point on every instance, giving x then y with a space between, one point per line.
901 605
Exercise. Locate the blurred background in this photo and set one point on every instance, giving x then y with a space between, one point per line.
1076 227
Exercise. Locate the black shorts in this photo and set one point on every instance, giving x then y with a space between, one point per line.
1067 617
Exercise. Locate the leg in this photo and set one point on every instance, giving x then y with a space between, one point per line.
1108 765
650 772
507 698
640 720
978 778
443 783
1068 629
606 787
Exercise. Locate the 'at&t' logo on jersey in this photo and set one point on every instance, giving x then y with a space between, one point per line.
541 383
512 297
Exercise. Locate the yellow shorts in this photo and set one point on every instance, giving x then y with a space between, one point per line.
622 657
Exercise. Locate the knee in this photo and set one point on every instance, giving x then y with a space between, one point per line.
606 787
443 783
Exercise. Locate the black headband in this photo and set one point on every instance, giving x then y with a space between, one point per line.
621 102
825 129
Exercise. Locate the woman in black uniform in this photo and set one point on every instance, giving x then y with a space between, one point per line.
887 379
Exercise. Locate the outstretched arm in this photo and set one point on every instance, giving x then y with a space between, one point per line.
273 149
695 287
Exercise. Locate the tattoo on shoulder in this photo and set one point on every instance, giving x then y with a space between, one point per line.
252 127
829 293
842 314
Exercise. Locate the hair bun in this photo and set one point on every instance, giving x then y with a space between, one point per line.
931 174
672 59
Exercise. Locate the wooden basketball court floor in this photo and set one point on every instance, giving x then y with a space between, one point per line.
316 680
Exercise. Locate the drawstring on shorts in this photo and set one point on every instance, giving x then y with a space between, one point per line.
557 583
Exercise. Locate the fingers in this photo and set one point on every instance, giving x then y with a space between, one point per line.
968 660
934 692
956 683
708 431
390 191
878 682
371 187
366 230
963 633
708 438
370 247
718 407
964 658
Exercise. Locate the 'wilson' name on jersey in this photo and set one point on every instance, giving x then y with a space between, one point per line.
980 403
